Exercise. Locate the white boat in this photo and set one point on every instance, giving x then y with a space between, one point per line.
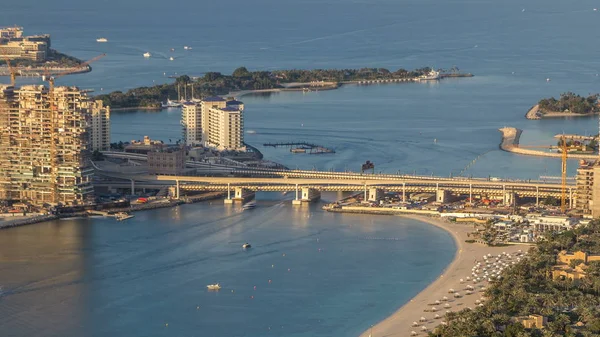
249 205
171 104
213 286
187 48
102 39
171 58
430 76
246 245
121 216
147 55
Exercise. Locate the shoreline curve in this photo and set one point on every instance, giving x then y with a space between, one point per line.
400 322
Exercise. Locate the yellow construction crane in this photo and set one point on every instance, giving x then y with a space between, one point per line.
53 122
13 74
563 192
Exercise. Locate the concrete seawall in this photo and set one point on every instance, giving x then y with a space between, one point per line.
510 143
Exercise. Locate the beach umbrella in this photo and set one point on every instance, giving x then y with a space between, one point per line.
477 301
437 302
444 298
415 324
446 305
444 323
462 281
413 333
437 316
423 328
423 319
481 304
451 290
468 278
433 309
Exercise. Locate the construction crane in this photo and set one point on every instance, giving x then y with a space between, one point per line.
563 189
13 74
54 120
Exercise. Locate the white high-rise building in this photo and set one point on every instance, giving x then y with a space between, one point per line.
214 122
191 120
99 124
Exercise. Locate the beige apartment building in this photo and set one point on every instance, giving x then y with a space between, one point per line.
588 188
41 160
214 122
24 49
11 32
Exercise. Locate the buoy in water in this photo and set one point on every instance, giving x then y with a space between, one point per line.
166 324
198 307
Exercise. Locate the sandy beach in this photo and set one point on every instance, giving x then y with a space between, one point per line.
400 323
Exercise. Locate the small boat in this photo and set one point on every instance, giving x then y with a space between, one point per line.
187 48
171 58
246 245
431 76
249 205
172 49
102 39
171 104
121 216
147 55
213 286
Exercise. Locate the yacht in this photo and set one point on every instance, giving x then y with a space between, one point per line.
121 216
171 104
249 205
213 286
102 39
430 76
246 245
171 58
147 55
187 48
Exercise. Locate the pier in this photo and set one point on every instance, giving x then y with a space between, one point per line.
303 147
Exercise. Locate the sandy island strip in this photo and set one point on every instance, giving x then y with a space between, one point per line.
400 323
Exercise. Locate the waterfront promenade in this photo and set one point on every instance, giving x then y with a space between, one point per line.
400 323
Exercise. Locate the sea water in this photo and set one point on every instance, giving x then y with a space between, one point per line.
147 276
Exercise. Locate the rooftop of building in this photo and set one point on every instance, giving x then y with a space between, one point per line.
234 102
213 99
230 109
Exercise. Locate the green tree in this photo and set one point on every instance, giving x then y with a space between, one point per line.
241 72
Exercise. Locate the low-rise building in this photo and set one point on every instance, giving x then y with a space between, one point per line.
563 269
535 321
552 223
167 160
144 146
25 49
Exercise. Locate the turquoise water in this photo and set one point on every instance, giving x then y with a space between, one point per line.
98 277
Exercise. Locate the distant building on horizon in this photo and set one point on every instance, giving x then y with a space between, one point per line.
214 122
13 45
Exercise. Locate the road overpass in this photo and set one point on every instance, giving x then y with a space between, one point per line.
372 185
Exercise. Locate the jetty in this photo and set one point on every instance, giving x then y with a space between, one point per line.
302 147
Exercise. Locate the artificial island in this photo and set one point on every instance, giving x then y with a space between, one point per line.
526 262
